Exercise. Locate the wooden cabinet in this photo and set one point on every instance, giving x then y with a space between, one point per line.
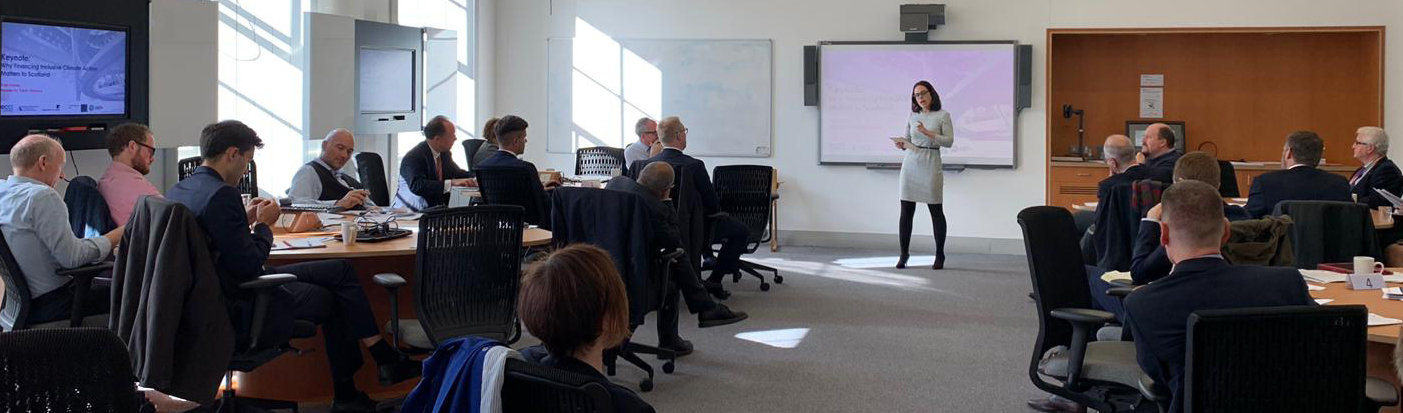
1074 183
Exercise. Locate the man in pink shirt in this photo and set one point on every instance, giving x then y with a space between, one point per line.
132 148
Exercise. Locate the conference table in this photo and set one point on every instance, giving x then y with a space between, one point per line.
1382 220
306 377
1382 339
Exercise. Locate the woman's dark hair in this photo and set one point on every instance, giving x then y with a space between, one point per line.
219 137
934 97
489 131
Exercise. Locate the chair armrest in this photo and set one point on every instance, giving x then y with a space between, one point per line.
1154 391
1380 393
1084 322
1121 283
1083 316
672 254
86 271
1119 292
270 280
389 280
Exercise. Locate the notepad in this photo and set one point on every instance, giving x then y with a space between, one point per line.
300 243
1113 276
1313 287
1322 276
1376 320
1324 301
1393 293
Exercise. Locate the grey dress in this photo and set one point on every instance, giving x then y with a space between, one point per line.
921 178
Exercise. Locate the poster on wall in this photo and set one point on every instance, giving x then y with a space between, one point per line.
1151 102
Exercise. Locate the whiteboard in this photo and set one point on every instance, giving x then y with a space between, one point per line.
386 80
721 89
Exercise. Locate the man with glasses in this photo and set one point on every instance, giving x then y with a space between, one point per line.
132 147
647 131
322 182
1371 149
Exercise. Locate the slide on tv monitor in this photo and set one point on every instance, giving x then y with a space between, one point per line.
386 80
54 70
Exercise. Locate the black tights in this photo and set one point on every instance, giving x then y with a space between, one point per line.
937 218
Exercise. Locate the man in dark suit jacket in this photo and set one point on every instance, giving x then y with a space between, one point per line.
728 231
654 186
1150 262
1371 149
428 171
327 293
511 137
1157 314
1300 181
1160 155
1120 158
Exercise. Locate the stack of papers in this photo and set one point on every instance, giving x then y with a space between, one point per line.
1395 278
1393 293
299 243
1376 320
1322 276
1113 276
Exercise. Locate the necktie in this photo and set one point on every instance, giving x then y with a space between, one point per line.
438 166
1359 173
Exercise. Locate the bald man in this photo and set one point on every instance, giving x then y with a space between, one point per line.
321 180
1120 158
1160 155
34 221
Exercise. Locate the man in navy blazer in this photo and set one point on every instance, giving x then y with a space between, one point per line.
1120 158
1299 181
1150 262
1371 149
511 141
428 171
327 293
727 230
1193 231
1160 155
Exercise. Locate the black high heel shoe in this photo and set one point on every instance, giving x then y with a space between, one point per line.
901 262
939 263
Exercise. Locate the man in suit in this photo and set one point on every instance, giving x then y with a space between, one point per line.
1299 180
428 171
654 185
321 180
1120 158
647 131
726 230
1371 149
1159 152
1193 229
1150 262
327 293
511 137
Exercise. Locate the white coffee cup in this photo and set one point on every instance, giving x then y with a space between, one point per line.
349 231
1367 266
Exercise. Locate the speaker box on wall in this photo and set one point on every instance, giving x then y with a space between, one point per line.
1025 76
810 75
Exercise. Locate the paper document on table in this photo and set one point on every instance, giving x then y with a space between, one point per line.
1313 287
1376 320
1323 301
299 243
1395 278
1113 276
1393 293
1322 276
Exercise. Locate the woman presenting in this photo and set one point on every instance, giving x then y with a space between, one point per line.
928 129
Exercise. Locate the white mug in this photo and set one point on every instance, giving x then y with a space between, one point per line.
349 231
1367 265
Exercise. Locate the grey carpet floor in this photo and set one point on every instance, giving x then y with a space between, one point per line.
873 339
847 332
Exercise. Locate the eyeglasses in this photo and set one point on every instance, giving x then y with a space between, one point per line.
152 148
922 94
649 131
1358 143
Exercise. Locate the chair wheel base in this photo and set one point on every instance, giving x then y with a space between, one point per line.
765 287
779 280
645 385
668 367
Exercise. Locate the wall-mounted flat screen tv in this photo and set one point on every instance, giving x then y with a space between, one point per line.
50 69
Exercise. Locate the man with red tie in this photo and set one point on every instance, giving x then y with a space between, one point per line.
1371 149
427 172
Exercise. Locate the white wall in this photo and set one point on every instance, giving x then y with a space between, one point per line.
820 202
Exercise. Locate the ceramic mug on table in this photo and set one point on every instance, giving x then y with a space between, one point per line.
1367 266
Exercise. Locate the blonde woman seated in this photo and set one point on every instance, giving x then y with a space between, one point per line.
574 302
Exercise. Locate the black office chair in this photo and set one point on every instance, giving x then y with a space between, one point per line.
372 174
467 273
1275 359
66 370
17 294
1227 182
598 160
247 185
515 187
1329 231
250 349
1102 375
87 210
609 219
529 387
745 194
470 147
